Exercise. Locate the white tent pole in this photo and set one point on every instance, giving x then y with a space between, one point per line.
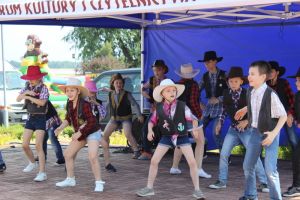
5 111
142 59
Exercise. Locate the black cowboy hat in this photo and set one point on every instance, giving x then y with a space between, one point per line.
275 65
160 63
211 55
297 74
235 72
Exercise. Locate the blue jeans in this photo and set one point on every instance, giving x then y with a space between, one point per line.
54 143
291 134
254 148
1 159
146 144
217 137
232 139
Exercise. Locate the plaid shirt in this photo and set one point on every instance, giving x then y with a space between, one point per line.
44 94
289 94
90 124
277 109
193 101
55 120
235 97
212 110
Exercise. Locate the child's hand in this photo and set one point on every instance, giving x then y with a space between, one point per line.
218 127
268 139
213 100
30 93
141 119
57 131
289 120
76 136
202 106
240 113
150 135
242 125
298 125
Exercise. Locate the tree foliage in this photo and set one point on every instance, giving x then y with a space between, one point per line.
125 44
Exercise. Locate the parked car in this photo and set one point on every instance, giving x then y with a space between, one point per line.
13 86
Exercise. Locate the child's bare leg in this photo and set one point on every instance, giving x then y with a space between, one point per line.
70 154
25 144
176 157
156 158
93 146
127 126
109 128
189 156
200 141
39 139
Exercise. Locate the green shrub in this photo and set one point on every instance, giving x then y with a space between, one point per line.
68 131
14 131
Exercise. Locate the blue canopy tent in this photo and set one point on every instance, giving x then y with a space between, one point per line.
181 31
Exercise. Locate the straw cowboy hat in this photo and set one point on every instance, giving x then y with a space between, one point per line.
91 86
74 82
211 55
161 63
297 74
33 73
164 84
275 65
187 71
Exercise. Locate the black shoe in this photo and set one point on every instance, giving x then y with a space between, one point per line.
247 198
110 168
292 192
2 167
59 163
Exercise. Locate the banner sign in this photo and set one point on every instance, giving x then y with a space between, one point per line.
41 9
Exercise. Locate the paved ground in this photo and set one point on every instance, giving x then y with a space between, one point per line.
131 175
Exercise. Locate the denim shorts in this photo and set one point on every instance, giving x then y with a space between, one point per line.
36 122
94 136
181 141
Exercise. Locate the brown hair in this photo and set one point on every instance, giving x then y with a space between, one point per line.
115 77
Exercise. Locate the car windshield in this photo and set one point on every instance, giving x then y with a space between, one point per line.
13 80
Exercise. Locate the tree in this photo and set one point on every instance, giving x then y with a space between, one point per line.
125 43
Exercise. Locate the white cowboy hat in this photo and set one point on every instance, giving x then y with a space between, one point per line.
187 71
74 82
163 84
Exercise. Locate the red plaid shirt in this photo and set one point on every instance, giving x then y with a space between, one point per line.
91 124
194 101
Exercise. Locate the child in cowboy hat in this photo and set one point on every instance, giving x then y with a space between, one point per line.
160 69
119 103
36 95
234 99
294 190
87 131
214 83
286 96
191 98
171 117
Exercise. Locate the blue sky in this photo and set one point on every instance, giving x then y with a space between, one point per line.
51 36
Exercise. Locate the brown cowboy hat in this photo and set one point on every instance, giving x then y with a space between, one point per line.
297 74
33 73
211 55
275 65
235 72
160 63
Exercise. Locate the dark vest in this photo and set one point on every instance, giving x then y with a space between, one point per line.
96 111
168 126
220 86
280 90
265 122
297 107
228 104
151 100
33 108
121 110
51 111
186 94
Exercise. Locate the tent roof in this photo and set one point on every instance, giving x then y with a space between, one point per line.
198 13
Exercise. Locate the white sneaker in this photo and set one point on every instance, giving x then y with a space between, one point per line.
68 182
30 167
175 171
41 176
99 186
203 174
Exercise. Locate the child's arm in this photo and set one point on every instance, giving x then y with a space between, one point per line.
59 129
136 107
150 135
39 102
240 113
23 94
271 135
